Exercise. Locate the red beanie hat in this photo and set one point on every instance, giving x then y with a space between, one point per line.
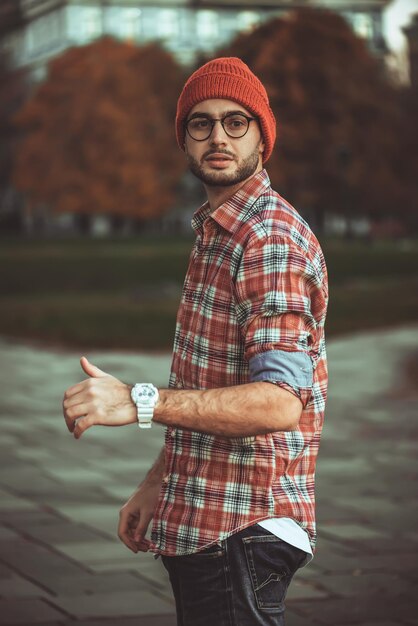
227 78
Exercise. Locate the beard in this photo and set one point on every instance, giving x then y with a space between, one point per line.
245 169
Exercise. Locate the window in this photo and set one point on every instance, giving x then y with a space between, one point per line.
362 24
247 20
207 25
131 24
168 23
92 23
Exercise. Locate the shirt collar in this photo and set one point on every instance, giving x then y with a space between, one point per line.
231 213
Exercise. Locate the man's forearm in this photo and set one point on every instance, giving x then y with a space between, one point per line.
239 411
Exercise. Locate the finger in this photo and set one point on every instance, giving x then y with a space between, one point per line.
143 546
75 389
141 542
142 527
124 531
83 397
73 413
83 424
90 369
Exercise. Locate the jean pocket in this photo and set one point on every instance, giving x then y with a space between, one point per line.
271 564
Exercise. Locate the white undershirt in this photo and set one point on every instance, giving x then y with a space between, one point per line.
288 530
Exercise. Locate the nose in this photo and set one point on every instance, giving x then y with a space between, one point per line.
218 135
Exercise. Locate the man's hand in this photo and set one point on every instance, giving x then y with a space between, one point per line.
99 400
136 514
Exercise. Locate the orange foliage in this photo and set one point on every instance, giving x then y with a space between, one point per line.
337 115
99 132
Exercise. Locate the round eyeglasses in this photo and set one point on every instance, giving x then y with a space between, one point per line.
235 125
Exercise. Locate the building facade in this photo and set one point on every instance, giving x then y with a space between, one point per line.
37 30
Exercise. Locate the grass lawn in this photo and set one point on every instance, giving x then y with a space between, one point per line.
124 293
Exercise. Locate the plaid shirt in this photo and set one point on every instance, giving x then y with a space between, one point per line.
256 287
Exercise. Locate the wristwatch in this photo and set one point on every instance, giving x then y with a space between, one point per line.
145 397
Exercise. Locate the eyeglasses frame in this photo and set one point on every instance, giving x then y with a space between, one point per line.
213 121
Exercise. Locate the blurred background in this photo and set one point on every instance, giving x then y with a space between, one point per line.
95 234
95 200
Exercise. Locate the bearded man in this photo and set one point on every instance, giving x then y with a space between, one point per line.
231 495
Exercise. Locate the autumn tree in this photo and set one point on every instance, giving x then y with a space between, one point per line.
337 114
99 132
406 166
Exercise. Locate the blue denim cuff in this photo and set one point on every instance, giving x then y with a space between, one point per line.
293 368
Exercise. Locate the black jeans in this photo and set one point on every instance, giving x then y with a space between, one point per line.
240 582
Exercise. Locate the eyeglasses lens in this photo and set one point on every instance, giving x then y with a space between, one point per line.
234 125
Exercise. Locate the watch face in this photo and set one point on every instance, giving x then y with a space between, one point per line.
145 394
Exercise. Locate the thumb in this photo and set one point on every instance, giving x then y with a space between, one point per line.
90 369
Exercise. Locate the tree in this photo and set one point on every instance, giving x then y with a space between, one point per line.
99 132
337 114
406 166
13 89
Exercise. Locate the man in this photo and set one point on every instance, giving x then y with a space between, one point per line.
232 492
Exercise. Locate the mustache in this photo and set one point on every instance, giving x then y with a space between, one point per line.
212 151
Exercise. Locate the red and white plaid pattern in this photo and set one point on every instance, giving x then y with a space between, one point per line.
256 282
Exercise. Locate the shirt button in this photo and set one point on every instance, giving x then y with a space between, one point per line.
166 479
173 433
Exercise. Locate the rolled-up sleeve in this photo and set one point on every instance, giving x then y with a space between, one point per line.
279 302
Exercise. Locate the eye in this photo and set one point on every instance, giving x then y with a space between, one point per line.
199 123
235 122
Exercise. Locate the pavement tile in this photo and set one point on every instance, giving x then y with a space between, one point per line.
352 532
360 583
6 534
79 476
332 513
12 503
8 440
390 544
377 505
300 590
348 468
96 552
363 608
295 619
19 587
28 611
139 620
380 623
117 604
125 563
91 583
5 571
103 517
402 562
30 482
36 562
121 492
62 532
23 519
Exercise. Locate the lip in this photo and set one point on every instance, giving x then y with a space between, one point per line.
218 156
218 159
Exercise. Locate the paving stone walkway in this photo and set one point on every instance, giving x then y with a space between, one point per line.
60 560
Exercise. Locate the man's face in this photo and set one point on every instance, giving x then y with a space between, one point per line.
220 160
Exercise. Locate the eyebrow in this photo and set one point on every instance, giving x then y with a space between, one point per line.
222 115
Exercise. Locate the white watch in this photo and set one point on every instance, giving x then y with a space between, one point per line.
145 396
